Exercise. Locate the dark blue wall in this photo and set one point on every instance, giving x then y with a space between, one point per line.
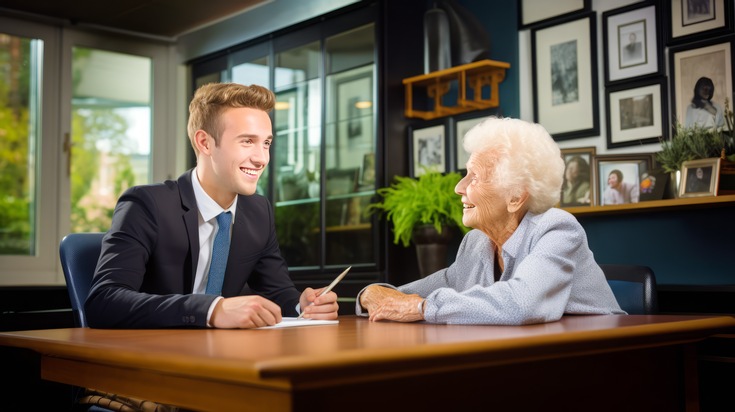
500 19
684 247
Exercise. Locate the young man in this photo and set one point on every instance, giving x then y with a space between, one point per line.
153 271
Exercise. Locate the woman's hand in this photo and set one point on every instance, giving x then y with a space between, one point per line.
389 304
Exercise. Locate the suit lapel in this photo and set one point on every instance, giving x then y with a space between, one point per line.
191 221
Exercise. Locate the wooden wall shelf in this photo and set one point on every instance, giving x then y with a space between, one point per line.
473 76
654 205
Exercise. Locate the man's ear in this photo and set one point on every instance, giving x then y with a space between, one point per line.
517 201
202 141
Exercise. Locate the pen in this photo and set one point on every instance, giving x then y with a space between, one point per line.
328 288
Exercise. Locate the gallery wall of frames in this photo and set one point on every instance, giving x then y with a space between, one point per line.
654 54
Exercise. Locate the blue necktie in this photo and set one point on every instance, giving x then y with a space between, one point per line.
220 250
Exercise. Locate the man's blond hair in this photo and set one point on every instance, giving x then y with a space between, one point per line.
211 99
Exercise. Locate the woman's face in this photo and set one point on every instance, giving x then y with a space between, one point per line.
572 171
612 180
704 91
483 205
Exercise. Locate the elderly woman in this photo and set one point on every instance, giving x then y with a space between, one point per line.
525 261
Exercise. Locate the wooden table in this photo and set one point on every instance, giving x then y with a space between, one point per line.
578 363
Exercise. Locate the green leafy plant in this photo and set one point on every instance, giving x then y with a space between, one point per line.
689 143
426 200
692 143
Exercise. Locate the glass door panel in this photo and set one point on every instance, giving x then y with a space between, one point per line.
296 154
350 166
20 95
110 133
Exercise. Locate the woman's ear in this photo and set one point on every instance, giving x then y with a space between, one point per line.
517 201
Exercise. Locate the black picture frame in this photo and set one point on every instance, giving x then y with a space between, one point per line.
427 145
688 63
632 166
633 42
545 12
565 84
637 113
718 20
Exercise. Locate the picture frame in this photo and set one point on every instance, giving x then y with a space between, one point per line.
354 120
687 24
633 40
460 126
533 13
565 78
629 167
637 113
697 62
700 177
428 149
578 187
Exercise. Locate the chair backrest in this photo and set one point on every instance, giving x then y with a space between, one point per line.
634 287
79 253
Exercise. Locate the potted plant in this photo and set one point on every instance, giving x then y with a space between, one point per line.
425 211
693 143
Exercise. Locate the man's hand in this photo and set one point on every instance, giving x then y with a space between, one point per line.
389 304
245 312
324 307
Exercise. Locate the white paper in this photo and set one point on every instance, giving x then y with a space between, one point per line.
289 322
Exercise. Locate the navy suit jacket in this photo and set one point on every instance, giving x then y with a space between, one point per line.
145 273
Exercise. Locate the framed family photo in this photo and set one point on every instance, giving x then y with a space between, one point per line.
700 177
704 70
428 149
538 12
578 187
618 177
693 20
565 78
633 42
637 113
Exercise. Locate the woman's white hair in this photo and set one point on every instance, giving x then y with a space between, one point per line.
519 157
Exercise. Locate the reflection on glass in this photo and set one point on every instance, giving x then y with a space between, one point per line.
296 152
350 166
20 95
111 132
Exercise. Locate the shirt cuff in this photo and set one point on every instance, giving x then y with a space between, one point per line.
211 309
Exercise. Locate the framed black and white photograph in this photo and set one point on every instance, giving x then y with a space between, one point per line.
565 78
618 177
462 125
577 188
693 20
637 113
700 177
632 38
539 12
428 149
701 80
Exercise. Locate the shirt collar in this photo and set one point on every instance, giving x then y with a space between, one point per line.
208 208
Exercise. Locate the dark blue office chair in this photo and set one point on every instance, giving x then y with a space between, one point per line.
634 287
79 253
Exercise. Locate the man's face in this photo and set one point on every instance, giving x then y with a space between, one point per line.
243 151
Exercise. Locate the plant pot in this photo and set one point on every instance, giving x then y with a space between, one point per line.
431 248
